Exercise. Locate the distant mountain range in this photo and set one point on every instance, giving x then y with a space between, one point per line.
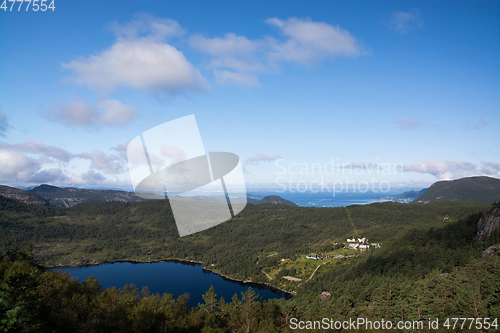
478 189
68 197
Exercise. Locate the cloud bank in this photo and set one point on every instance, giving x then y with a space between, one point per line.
105 113
237 59
452 169
33 162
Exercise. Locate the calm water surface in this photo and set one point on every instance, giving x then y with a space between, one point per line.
323 199
170 277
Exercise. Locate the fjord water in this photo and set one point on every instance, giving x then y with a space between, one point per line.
323 199
170 277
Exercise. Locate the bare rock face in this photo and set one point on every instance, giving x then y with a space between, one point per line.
489 252
325 295
24 196
66 202
489 222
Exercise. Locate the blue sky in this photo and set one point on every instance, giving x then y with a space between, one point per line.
400 92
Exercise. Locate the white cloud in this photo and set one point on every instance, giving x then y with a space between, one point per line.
309 41
261 157
174 154
33 162
92 177
46 176
233 58
410 124
305 42
38 148
490 168
16 166
105 113
452 169
406 21
101 161
229 45
146 25
139 59
243 79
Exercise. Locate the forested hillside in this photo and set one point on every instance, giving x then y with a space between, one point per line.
426 272
479 189
256 239
429 266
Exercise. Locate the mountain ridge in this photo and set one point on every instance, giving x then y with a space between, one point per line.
476 189
68 197
23 196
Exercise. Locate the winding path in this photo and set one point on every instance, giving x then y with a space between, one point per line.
317 269
352 223
270 278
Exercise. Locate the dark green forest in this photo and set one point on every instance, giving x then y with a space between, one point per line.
145 231
429 266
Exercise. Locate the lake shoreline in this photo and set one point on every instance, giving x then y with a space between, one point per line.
183 261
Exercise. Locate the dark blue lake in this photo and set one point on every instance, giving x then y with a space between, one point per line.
170 277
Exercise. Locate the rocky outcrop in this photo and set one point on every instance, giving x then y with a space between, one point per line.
325 296
489 252
26 197
489 222
66 202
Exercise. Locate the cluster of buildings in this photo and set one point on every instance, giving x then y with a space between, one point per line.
361 244
319 256
314 256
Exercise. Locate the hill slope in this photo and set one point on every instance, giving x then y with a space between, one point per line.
404 197
70 196
26 197
478 189
274 199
